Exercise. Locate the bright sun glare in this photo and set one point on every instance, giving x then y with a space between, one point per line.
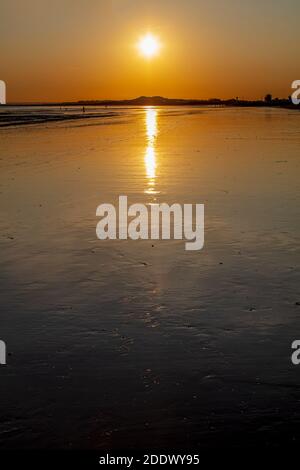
149 45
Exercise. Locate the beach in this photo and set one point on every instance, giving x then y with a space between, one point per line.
140 344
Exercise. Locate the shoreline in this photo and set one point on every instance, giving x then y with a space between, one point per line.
16 118
10 119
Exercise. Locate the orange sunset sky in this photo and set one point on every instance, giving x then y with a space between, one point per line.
62 50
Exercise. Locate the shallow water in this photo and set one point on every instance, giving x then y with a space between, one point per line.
121 344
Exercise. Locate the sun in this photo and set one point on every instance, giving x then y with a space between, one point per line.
149 45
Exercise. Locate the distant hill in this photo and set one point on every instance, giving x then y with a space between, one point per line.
149 101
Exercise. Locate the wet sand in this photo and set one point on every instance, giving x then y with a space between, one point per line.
121 344
30 115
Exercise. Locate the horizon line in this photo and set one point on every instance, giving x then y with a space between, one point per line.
142 97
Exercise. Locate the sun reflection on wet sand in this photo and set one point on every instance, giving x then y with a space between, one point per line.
150 154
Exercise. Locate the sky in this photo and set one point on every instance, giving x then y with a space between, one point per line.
65 50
